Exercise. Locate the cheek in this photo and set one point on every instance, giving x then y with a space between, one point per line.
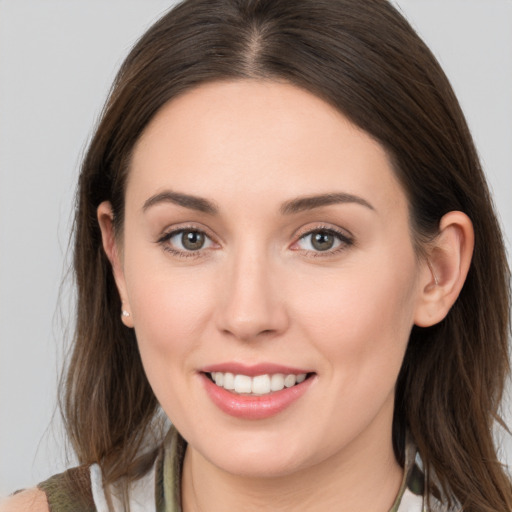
169 315
169 306
361 317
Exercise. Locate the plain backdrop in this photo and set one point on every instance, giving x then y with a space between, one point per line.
57 60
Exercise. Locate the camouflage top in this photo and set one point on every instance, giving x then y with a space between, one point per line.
81 490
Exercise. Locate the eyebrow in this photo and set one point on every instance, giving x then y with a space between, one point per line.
187 201
301 204
296 205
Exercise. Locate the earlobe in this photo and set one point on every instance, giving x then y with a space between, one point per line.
445 268
111 248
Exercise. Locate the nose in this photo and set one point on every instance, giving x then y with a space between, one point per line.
251 303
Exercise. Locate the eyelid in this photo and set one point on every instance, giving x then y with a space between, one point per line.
184 226
311 228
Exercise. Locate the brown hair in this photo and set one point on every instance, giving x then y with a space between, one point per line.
363 58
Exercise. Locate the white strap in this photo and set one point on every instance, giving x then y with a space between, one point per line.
141 493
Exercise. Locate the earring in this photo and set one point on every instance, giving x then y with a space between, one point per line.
125 313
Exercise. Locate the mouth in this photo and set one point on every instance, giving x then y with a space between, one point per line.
257 385
255 392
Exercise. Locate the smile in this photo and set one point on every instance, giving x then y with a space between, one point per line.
257 385
255 392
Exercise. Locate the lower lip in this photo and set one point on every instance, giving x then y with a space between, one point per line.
253 407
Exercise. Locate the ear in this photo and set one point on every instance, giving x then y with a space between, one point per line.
445 268
112 250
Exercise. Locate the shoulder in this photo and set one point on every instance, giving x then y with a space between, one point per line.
69 491
31 500
66 492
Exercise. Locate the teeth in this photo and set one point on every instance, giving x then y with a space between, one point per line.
258 385
219 379
229 381
261 385
277 382
243 383
289 381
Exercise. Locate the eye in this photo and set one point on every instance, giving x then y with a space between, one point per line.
190 240
186 240
323 240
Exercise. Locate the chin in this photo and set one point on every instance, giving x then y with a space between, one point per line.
262 465
264 454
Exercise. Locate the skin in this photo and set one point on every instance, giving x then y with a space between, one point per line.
31 500
258 291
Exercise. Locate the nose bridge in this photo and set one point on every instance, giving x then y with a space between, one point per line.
251 304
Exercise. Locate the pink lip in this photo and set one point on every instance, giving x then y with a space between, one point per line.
253 370
254 407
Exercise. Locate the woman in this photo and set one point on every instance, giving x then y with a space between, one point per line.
284 240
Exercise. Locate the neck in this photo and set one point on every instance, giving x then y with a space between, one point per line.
340 483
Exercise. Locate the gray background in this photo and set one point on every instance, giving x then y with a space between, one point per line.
57 60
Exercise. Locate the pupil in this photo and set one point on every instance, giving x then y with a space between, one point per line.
192 240
322 241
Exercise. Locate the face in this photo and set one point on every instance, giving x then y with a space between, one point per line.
267 246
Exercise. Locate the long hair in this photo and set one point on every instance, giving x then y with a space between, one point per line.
363 58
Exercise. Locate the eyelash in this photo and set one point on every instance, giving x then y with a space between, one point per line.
345 241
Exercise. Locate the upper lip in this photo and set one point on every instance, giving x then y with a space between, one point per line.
253 369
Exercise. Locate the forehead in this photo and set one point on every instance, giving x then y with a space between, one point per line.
258 139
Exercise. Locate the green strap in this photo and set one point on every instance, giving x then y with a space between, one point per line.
172 467
69 491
